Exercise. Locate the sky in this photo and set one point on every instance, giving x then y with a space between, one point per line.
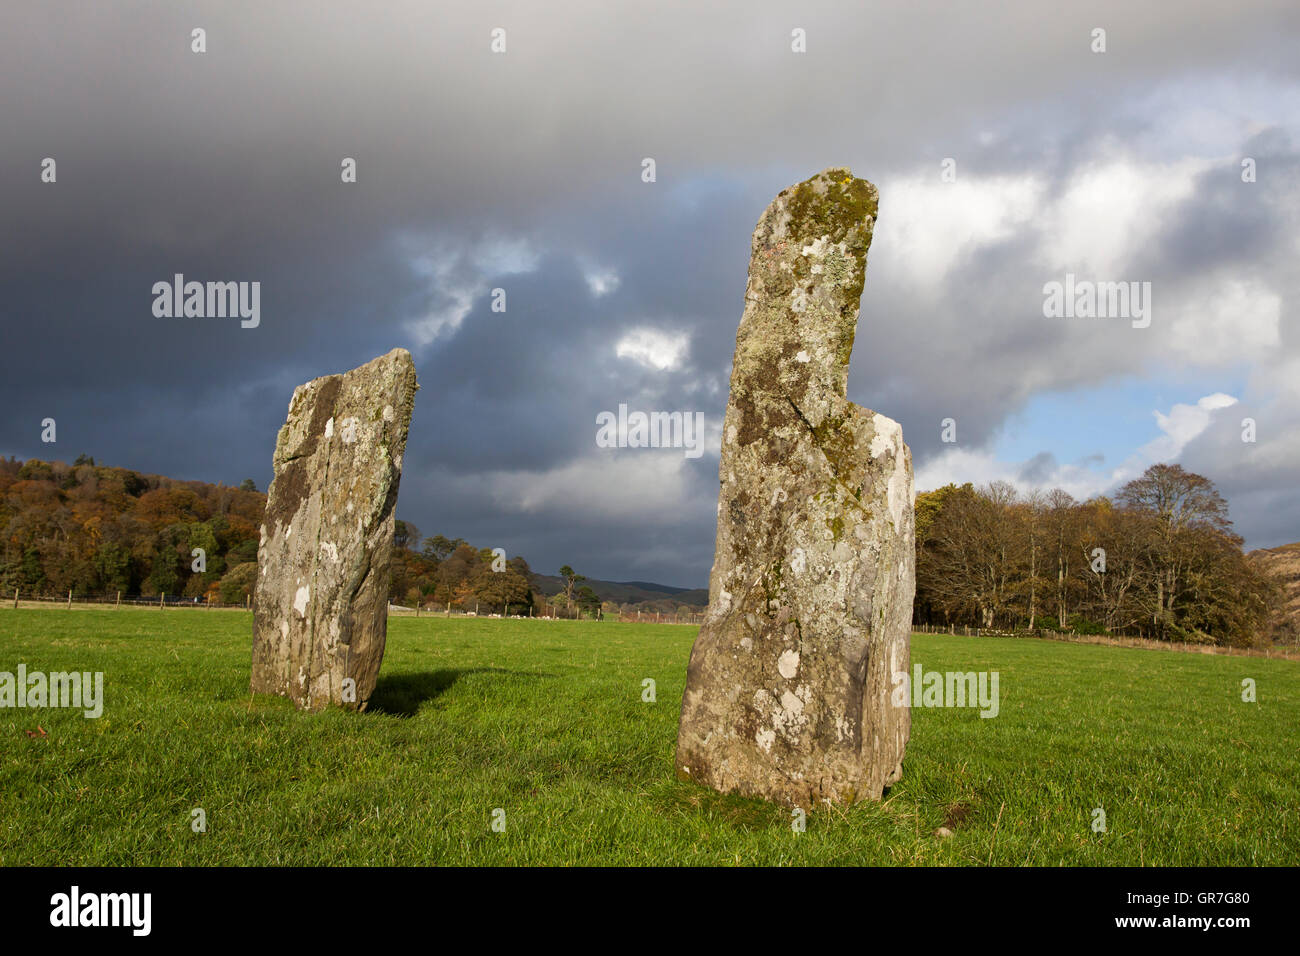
1008 150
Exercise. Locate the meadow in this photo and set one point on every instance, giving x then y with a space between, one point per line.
545 721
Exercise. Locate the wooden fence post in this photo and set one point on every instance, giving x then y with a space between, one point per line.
161 598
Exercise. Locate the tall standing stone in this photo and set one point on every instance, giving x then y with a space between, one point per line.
788 693
327 539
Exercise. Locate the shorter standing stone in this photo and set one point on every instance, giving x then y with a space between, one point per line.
321 609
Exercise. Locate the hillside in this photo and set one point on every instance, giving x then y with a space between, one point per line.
629 592
94 529
1283 563
98 530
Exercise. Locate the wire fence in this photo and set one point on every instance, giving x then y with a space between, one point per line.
432 609
173 602
115 599
1112 640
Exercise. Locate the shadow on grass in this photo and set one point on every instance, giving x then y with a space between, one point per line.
401 695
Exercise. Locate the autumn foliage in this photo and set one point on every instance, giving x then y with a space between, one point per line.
1159 560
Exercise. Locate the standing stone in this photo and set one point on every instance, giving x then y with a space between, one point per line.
788 693
323 561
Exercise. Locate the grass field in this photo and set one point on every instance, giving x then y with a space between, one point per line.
545 720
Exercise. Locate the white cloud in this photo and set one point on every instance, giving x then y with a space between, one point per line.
653 348
1223 321
1094 226
457 275
926 225
1109 211
644 486
1180 427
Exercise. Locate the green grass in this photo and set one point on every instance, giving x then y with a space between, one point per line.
545 720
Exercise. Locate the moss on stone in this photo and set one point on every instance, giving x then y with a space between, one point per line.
833 203
836 442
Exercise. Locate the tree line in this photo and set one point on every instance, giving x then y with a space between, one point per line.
1158 560
97 530
93 529
451 572
441 573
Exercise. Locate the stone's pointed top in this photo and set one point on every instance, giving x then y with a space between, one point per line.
395 368
397 354
808 264
834 203
397 357
396 363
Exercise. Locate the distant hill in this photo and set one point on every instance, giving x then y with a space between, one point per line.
628 592
1283 563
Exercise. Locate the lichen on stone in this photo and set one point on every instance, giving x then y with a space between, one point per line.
320 615
809 529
